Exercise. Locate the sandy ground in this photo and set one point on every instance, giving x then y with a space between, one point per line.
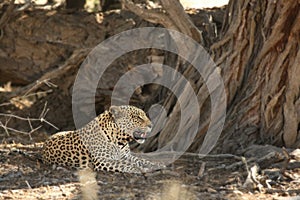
212 177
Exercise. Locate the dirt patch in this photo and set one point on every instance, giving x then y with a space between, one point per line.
213 177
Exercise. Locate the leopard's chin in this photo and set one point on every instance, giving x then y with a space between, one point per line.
140 141
140 136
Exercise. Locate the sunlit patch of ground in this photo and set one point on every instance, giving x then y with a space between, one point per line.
63 191
203 3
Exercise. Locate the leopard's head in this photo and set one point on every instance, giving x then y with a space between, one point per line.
132 121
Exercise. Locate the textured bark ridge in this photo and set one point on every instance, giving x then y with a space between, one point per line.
259 54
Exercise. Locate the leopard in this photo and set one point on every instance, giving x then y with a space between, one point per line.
103 143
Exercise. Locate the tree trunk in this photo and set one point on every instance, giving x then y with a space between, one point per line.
259 56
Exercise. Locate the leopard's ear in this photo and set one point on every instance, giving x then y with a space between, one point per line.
115 111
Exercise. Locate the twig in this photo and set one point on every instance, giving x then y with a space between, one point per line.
28 94
220 156
30 128
5 104
245 163
201 170
242 162
41 118
5 128
28 185
29 120
11 129
174 153
37 93
33 130
43 113
38 83
18 117
232 166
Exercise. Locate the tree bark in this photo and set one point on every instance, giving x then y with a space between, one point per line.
259 56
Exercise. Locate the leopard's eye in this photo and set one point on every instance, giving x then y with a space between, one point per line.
140 118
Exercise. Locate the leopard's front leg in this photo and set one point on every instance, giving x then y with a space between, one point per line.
120 160
143 164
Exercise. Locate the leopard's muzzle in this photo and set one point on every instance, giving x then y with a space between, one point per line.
140 134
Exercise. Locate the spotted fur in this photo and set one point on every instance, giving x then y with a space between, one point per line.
103 144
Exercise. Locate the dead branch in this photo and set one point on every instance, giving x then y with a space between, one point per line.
181 19
173 17
41 119
150 15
